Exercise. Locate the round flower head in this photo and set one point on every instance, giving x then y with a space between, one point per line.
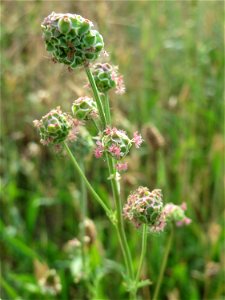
84 108
145 207
106 77
71 39
115 142
54 127
176 213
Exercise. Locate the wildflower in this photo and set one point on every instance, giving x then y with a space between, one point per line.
71 39
54 127
176 214
84 108
99 149
137 139
115 150
121 167
106 77
145 207
116 143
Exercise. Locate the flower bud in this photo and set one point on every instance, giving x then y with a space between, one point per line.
106 77
71 39
176 213
145 207
116 142
64 25
84 108
54 127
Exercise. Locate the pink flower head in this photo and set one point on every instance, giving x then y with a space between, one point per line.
183 206
185 221
120 86
108 130
176 213
98 150
137 139
115 150
121 167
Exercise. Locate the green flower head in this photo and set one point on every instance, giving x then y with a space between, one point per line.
54 127
145 207
84 108
106 78
71 39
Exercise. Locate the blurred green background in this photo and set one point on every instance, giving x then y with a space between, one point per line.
172 57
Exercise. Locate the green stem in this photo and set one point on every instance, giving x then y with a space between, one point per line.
105 119
120 224
88 185
96 95
143 250
107 108
163 265
95 125
83 205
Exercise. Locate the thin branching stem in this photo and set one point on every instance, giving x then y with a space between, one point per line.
88 185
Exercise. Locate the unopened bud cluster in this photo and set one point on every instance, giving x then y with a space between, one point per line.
116 143
54 127
106 78
176 213
84 108
71 39
145 207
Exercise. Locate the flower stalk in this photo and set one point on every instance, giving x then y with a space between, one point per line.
90 188
83 216
143 251
163 265
106 119
96 96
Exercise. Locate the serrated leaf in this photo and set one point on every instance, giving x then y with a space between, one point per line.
143 283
